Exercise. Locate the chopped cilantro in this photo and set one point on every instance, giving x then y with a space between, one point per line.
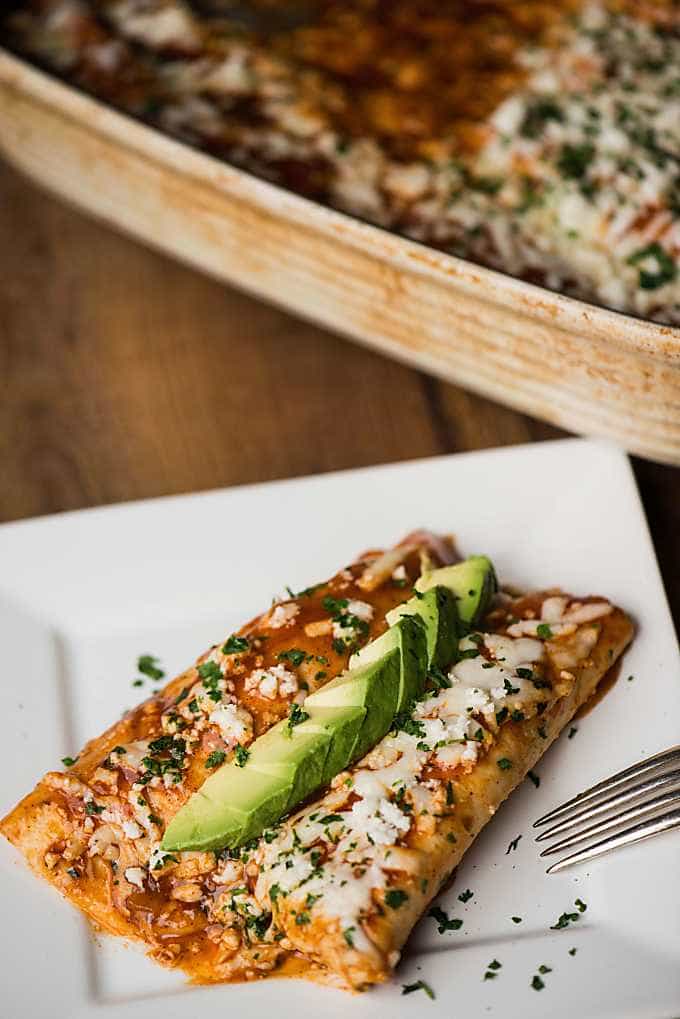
234 645
509 688
516 919
147 665
525 673
543 631
182 694
68 762
348 935
444 924
72 872
537 983
564 920
545 969
404 723
138 682
295 655
536 779
93 808
296 716
666 267
513 845
216 758
580 904
495 964
572 951
466 895
450 795
518 716
395 898
573 160
504 763
572 732
419 985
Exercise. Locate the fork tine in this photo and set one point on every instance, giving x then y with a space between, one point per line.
608 804
609 823
634 771
636 833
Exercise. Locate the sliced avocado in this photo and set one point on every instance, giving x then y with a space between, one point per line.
227 810
473 582
408 636
374 685
437 609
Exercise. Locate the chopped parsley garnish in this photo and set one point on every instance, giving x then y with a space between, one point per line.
543 631
330 819
450 795
489 975
580 904
501 715
302 918
72 872
572 732
296 716
513 845
235 645
411 726
545 969
395 898
444 924
147 665
572 951
536 779
216 758
241 755
494 964
504 763
524 673
68 762
294 655
666 268
537 983
509 688
348 935
465 896
573 160
564 920
182 694
536 116
419 985
334 606
93 808
438 679
516 919
518 716
138 682
210 673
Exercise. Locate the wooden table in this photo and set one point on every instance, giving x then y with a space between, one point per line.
126 375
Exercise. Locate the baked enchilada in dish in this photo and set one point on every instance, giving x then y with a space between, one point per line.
293 802
539 139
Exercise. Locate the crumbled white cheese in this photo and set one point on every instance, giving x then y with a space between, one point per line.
276 681
132 830
361 609
282 615
135 875
234 722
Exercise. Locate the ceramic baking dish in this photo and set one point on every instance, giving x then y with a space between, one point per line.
571 363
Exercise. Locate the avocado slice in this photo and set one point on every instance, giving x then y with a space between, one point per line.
473 582
438 611
374 685
227 809
407 636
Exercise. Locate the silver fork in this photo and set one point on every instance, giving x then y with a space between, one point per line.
640 793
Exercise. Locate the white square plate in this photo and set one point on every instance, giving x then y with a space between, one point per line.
83 594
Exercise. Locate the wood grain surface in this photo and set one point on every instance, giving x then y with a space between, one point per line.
125 375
